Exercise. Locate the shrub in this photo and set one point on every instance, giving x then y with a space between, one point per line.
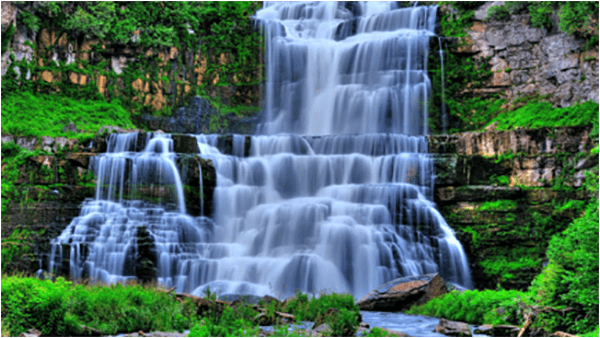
61 308
569 283
225 325
476 307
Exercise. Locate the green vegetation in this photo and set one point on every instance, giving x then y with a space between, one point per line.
498 205
465 112
28 114
476 307
542 114
17 245
570 280
62 308
564 296
7 37
216 36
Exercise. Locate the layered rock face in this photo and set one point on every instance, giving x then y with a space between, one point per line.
497 191
531 62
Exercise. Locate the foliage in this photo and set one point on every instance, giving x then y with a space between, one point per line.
220 33
378 332
498 205
500 180
61 308
464 112
476 307
225 325
16 245
7 37
26 114
542 114
570 280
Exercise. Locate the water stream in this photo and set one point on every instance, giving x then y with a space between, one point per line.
336 195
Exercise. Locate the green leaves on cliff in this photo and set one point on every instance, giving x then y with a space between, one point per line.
26 114
542 114
570 280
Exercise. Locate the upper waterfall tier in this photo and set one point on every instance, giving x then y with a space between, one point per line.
337 68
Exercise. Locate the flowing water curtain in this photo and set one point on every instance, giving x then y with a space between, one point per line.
342 202
346 67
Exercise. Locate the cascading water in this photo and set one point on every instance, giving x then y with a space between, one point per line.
336 196
134 189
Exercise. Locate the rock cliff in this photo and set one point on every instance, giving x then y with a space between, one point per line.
529 62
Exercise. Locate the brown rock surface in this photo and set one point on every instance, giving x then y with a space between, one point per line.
454 329
400 294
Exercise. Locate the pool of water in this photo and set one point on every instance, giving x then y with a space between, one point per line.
413 325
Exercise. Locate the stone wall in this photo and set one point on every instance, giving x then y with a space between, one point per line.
530 62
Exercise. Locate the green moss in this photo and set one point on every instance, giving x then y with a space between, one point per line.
498 205
542 114
26 114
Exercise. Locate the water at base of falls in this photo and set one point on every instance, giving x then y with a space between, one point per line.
338 196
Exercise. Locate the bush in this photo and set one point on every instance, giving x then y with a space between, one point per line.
569 283
61 308
225 325
476 307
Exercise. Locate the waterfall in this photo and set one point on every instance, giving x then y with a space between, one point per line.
444 113
334 194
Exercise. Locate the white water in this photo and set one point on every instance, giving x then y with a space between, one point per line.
335 197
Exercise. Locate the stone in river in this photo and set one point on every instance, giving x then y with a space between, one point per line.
453 329
400 294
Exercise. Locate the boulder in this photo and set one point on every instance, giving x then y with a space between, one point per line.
31 333
396 333
185 144
400 294
485 329
506 331
453 329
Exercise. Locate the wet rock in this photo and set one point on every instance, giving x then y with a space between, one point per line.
400 294
322 329
484 329
268 300
31 333
198 201
473 193
185 144
505 331
453 329
146 260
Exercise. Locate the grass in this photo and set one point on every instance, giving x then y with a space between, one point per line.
28 114
476 307
62 307
542 114
65 308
